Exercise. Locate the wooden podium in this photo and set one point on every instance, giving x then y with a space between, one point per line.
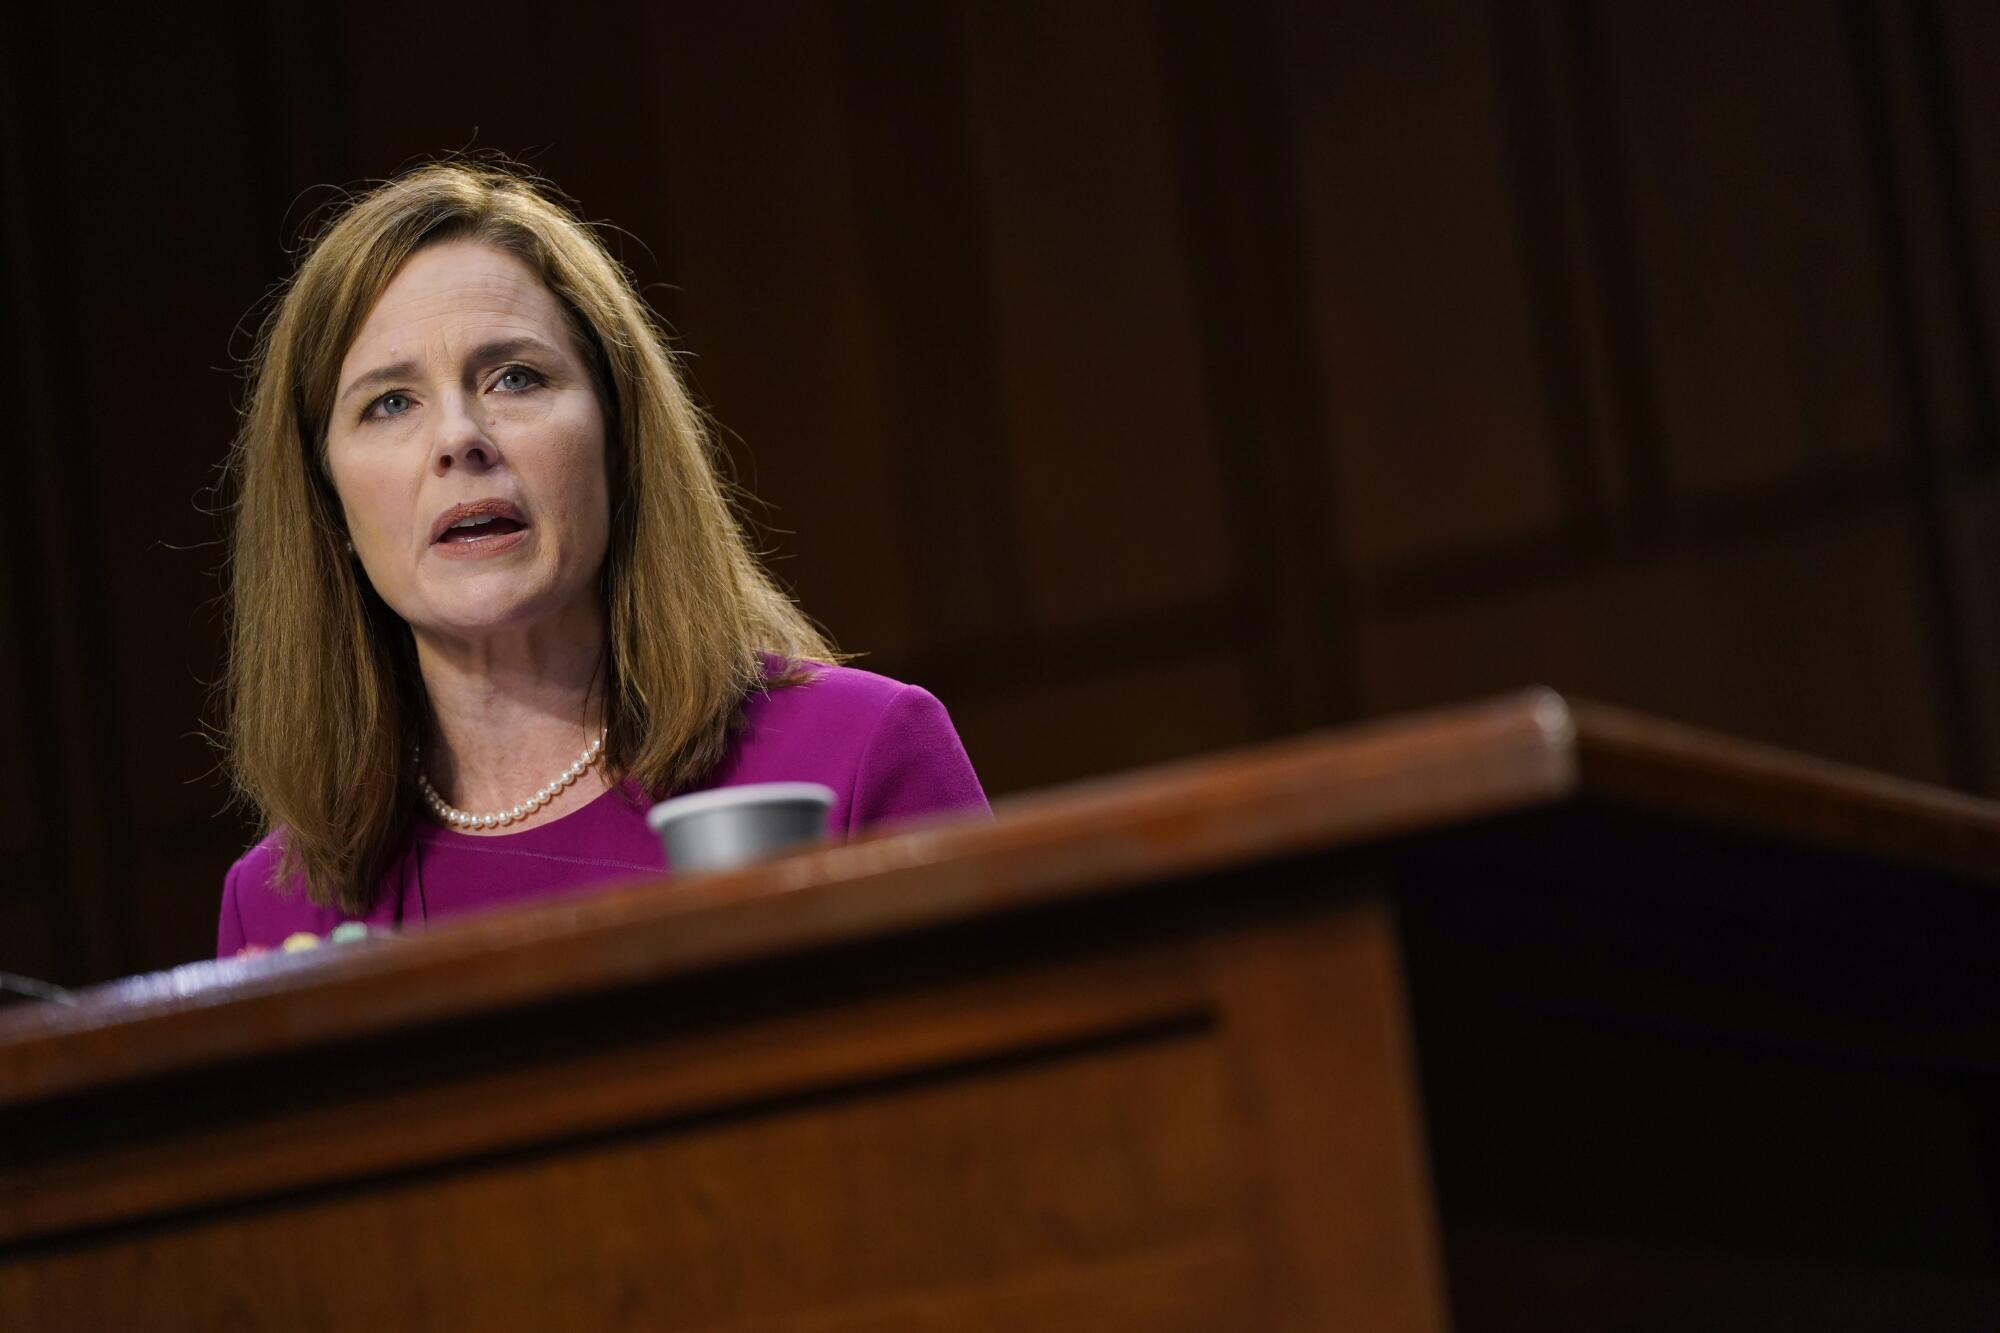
1528 1015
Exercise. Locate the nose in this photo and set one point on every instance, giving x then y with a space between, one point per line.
461 440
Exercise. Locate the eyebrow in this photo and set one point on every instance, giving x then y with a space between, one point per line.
499 349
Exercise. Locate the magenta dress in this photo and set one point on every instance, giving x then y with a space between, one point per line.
887 749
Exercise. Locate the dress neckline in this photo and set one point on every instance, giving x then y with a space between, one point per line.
436 834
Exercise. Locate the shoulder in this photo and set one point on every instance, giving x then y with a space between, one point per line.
831 692
256 871
258 905
887 748
829 712
837 709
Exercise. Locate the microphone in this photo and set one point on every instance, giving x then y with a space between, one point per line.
15 988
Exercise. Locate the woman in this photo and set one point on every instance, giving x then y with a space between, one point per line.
489 597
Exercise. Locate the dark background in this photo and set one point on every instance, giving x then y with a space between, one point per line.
1141 378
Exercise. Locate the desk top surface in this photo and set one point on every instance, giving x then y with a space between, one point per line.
1317 792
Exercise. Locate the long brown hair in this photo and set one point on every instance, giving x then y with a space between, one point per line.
322 696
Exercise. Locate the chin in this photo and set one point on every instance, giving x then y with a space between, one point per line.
499 606
495 616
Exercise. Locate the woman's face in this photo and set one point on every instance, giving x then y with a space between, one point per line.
467 448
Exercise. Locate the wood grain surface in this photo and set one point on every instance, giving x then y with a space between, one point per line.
1297 796
1307 794
1206 1123
1137 1054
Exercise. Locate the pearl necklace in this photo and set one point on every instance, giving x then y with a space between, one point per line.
458 818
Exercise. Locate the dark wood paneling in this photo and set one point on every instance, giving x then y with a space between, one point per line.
1920 144
62 591
1143 378
1427 345
26 741
143 559
1959 39
1541 104
1765 317
22 768
34 871
1972 516
1745 635
143 287
1104 397
924 263
1048 729
1238 158
1928 463
769 285
567 97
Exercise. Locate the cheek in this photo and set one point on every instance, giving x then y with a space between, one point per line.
369 497
587 506
585 485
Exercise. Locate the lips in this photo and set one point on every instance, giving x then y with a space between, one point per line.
479 520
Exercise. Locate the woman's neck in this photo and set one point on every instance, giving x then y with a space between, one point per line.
509 714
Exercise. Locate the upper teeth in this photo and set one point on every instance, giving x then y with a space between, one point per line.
473 522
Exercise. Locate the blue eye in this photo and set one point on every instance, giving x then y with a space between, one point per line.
393 404
514 379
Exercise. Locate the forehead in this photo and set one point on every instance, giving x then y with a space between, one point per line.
451 294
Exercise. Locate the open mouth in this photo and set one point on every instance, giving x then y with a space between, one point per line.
479 527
